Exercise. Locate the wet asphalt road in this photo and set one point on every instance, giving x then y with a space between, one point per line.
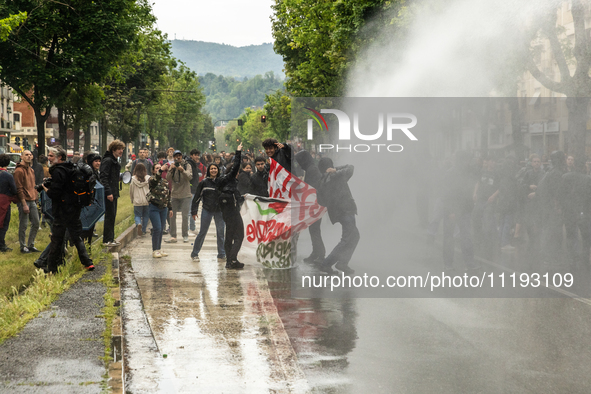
218 334
442 345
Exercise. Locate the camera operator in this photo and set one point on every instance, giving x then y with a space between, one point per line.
66 213
179 175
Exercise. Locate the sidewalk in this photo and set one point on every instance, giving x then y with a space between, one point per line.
60 350
197 327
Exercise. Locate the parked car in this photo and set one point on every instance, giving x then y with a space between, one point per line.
15 158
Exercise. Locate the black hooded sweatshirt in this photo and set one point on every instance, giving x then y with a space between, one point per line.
313 175
109 174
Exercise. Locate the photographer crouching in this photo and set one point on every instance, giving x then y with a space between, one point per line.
66 212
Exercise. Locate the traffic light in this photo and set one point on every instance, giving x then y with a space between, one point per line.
263 118
240 122
17 140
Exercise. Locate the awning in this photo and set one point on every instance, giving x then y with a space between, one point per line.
15 147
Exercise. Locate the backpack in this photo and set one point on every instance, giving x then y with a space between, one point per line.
83 181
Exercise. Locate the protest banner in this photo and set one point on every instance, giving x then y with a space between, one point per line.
270 223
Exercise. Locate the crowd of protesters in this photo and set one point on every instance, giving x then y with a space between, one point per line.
494 205
163 185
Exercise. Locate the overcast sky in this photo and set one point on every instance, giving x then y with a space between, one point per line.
234 22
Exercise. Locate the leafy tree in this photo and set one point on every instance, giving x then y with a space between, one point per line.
136 83
60 44
278 108
80 106
319 40
251 134
7 24
187 126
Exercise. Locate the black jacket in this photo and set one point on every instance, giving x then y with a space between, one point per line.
244 183
228 184
458 190
60 190
335 195
109 174
39 174
260 183
207 192
283 157
313 175
576 189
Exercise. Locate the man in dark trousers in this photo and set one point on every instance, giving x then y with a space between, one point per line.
230 207
66 213
335 195
7 195
458 191
109 178
312 178
550 191
577 213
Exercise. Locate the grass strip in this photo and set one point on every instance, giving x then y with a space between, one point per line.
26 291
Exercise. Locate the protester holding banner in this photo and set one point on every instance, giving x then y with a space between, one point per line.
230 207
279 152
335 195
208 193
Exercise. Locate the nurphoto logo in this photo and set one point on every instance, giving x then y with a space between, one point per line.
395 122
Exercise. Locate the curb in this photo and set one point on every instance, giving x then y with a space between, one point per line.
116 382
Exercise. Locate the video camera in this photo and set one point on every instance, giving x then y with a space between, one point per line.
46 182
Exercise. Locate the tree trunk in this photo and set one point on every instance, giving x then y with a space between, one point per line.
76 131
518 146
484 115
87 138
577 126
63 130
104 132
41 130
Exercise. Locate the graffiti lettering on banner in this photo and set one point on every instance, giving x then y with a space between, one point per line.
270 222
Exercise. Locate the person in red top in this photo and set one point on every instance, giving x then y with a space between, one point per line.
24 177
7 195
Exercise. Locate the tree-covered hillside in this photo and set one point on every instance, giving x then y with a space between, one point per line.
227 97
220 59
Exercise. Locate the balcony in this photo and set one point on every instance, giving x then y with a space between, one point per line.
6 124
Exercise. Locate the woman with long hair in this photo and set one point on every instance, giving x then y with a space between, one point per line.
208 193
138 189
160 207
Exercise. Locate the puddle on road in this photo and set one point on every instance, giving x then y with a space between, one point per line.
217 338
322 333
